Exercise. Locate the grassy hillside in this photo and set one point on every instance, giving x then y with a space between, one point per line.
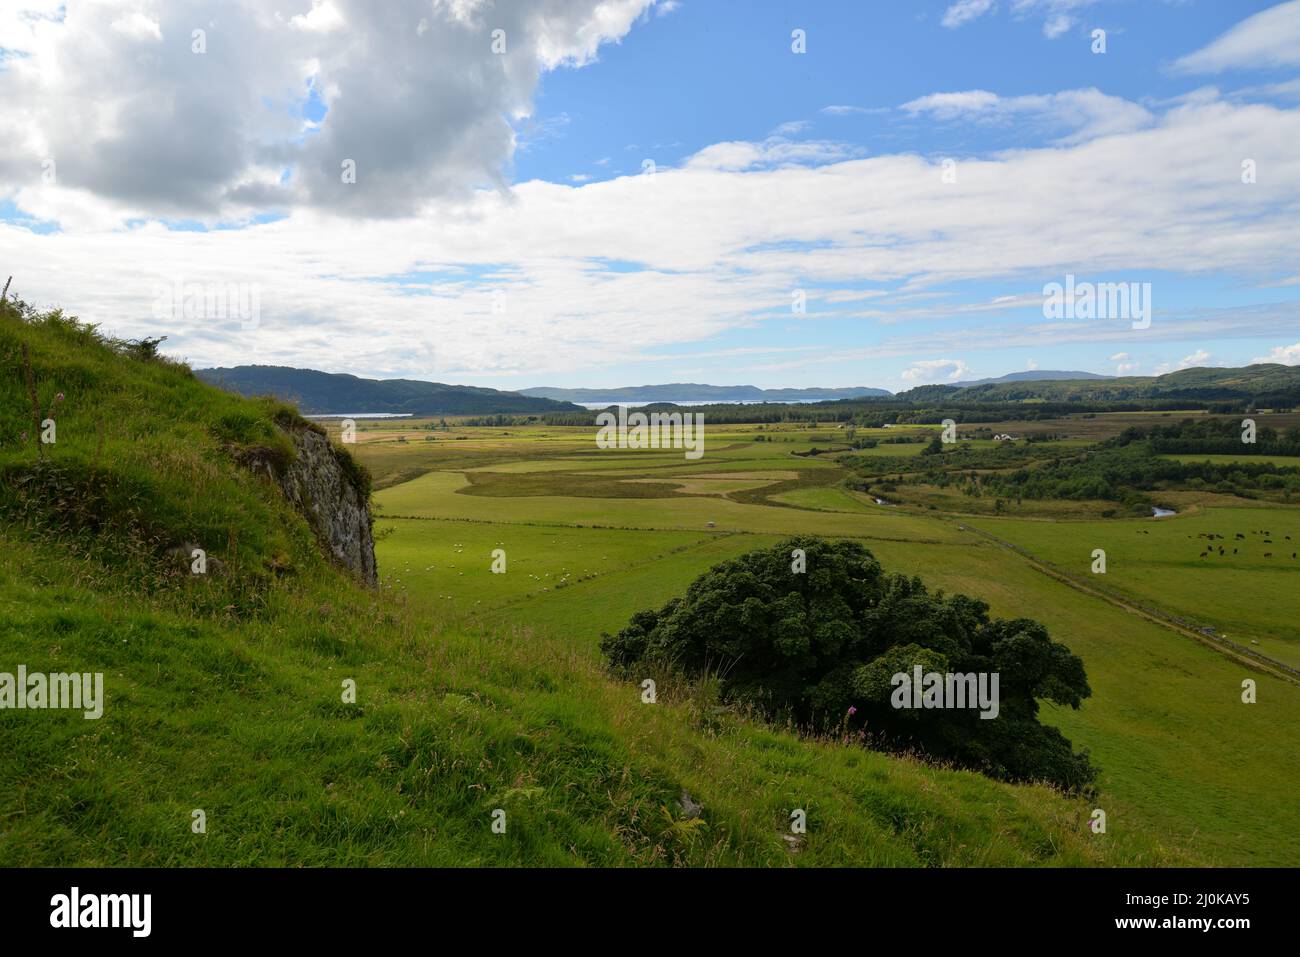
223 692
1267 383
328 393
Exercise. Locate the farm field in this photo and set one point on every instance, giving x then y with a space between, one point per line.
1182 757
1170 562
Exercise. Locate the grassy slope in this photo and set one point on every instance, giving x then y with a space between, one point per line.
223 694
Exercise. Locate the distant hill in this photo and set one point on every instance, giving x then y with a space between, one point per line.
328 393
1034 375
698 392
1267 384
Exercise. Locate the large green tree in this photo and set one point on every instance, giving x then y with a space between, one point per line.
816 631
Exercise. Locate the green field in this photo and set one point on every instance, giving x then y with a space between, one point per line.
1181 756
1250 598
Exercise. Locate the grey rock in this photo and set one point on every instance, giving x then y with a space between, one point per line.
317 485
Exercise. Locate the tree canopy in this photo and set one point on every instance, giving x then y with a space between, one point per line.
821 647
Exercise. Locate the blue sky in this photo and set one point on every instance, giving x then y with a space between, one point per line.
703 74
503 229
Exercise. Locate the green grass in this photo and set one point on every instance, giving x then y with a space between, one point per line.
1181 756
447 561
225 695
1179 751
1246 596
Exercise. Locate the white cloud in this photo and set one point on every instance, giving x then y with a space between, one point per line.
852 110
1059 15
772 152
963 11
722 243
1284 355
950 106
140 126
1082 114
936 370
136 26
1031 365
792 128
323 17
1198 358
1269 39
1125 364
1056 25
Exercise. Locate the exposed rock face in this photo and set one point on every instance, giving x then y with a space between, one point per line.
326 493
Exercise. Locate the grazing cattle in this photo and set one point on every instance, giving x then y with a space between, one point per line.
1268 554
1203 554
1234 551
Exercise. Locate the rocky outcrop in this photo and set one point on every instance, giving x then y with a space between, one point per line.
327 489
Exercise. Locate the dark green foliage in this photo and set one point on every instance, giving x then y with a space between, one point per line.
1126 467
1214 437
810 646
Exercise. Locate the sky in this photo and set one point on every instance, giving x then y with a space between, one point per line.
607 193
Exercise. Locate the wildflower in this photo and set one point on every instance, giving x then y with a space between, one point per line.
852 711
